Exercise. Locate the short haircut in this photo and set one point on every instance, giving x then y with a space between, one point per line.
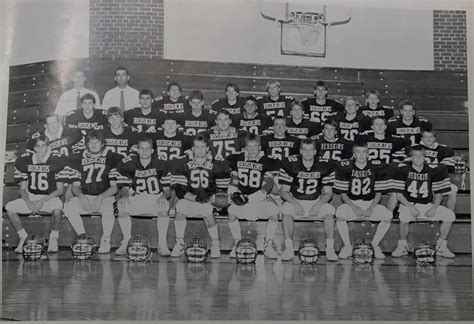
232 85
331 122
145 139
223 112
41 138
360 143
416 148
251 98
113 111
95 134
51 115
308 141
406 102
196 94
320 84
372 91
378 117
88 96
272 82
202 138
174 84
296 103
121 68
279 118
146 92
252 138
351 99
169 117
431 131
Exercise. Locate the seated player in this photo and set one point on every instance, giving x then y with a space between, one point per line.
232 103
118 138
88 117
331 147
173 103
146 191
143 119
252 121
41 175
407 124
319 107
196 178
350 122
297 126
361 184
93 176
420 187
306 187
373 107
197 120
171 143
274 104
251 182
279 145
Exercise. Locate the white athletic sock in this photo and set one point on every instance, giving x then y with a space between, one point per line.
382 229
180 227
126 227
288 243
213 233
162 224
235 230
343 230
54 234
22 233
108 221
271 230
77 224
330 242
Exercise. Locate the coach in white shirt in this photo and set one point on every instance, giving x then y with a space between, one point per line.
71 99
122 96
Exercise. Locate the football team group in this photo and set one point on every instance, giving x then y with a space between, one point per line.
272 158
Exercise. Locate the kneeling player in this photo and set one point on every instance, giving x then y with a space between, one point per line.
361 184
306 187
420 189
196 179
150 192
251 182
41 177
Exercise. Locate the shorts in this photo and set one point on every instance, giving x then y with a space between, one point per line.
252 211
442 214
19 205
144 204
454 190
326 209
345 213
193 209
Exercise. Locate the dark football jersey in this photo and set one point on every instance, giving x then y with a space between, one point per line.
319 113
419 187
123 144
384 151
306 183
338 150
222 145
193 125
166 105
251 173
143 180
259 125
361 183
94 171
170 148
143 124
436 154
348 129
412 132
236 110
382 111
280 148
41 177
304 129
75 120
207 177
273 108
69 141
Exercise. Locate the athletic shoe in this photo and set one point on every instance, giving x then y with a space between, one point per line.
232 253
401 250
104 245
270 250
122 249
215 249
53 244
178 249
378 252
19 248
163 249
288 253
345 252
443 251
330 253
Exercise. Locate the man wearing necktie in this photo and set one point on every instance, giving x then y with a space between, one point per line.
122 96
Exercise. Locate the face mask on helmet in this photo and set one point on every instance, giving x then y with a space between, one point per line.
138 249
424 253
196 250
34 247
460 165
83 247
308 251
246 251
362 252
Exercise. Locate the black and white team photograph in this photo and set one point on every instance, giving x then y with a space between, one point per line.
236 160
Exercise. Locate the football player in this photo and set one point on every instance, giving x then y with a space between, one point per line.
41 176
196 178
251 182
407 124
252 121
350 122
119 138
146 190
232 103
331 147
420 187
306 187
173 103
361 185
171 143
88 117
197 119
274 104
93 176
279 144
373 107
143 119
299 127
319 108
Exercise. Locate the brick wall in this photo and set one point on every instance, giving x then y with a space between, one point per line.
126 29
450 43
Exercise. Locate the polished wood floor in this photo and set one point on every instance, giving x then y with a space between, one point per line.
109 288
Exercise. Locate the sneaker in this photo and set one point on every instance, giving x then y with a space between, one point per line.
401 250
215 249
53 244
163 249
122 249
178 249
232 253
330 253
443 251
270 250
288 253
378 254
104 245
19 248
345 252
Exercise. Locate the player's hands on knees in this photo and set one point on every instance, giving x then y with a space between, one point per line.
298 209
431 212
358 211
414 212
31 205
369 211
172 212
68 195
161 202
97 204
85 203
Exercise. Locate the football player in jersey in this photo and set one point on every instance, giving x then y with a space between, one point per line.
41 176
93 176
252 121
173 103
306 187
224 138
279 144
197 119
407 124
420 187
361 185
143 119
350 122
88 117
373 107
319 108
196 178
274 104
297 126
251 182
171 143
232 103
145 191
331 147
119 138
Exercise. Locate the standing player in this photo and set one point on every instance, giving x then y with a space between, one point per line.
232 103
170 143
173 103
361 184
252 121
146 191
306 187
197 119
86 118
123 95
319 108
119 138
93 176
41 175
331 147
407 124
373 107
143 119
299 127
279 145
350 123
196 178
274 104
420 187
251 182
